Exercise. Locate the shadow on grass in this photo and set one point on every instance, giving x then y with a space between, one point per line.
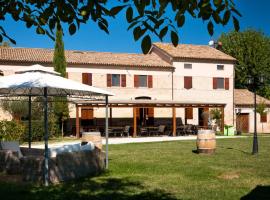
258 193
101 189
239 150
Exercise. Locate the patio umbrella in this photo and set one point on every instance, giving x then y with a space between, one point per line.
37 80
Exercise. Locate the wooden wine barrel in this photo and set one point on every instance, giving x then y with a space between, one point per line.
206 141
94 137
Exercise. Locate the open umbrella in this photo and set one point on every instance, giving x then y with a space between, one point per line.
37 80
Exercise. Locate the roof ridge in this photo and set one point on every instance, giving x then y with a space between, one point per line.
71 50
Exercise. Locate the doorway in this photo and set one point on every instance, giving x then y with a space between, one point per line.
203 117
145 116
242 122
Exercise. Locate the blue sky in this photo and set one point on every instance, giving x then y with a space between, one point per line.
89 37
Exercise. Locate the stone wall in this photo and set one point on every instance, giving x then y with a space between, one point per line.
63 167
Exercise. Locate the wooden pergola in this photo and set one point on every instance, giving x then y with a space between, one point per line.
146 104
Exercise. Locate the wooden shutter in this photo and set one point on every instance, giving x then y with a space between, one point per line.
214 83
136 80
90 79
109 80
123 80
264 118
188 82
150 81
189 113
227 84
150 112
87 114
87 78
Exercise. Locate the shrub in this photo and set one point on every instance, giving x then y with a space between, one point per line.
11 130
38 129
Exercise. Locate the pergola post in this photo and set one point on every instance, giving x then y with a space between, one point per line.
222 120
29 122
106 131
77 122
174 121
134 122
46 136
110 116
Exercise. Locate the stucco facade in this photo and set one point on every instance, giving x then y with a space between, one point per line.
167 83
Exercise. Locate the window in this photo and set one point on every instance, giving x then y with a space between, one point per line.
187 66
188 82
115 79
220 83
87 78
142 81
220 67
264 118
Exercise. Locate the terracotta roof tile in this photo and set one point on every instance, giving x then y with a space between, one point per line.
37 55
188 51
244 97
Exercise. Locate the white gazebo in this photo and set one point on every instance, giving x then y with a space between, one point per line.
37 80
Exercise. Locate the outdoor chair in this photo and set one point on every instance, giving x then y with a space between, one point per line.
180 131
144 131
188 129
126 131
161 129
194 130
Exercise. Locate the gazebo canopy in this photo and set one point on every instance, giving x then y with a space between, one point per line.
37 80
32 83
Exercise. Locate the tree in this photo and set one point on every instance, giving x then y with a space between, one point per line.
252 50
5 44
216 115
17 109
147 17
261 109
59 62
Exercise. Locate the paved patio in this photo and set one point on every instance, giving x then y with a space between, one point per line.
124 140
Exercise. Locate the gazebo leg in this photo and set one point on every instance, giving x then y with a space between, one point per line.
106 131
46 136
29 122
77 122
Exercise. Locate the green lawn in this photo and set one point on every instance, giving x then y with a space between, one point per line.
168 170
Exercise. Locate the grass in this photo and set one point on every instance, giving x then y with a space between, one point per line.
167 170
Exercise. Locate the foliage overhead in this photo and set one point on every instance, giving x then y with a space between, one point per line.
251 48
145 17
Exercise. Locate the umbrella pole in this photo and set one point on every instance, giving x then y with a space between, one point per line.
46 160
106 132
29 122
